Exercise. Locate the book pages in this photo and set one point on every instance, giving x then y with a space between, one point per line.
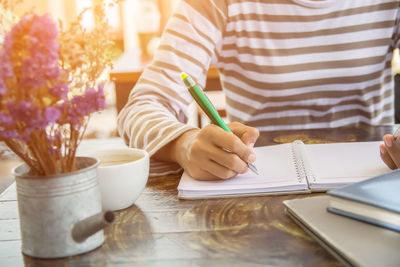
277 174
337 164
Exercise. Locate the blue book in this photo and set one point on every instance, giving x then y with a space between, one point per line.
375 201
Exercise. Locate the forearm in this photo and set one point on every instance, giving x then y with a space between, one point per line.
152 130
147 123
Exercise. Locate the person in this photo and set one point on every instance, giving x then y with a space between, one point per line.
287 64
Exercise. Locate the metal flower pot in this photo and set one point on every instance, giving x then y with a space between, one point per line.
61 215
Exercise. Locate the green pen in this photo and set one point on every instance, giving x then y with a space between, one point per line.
208 108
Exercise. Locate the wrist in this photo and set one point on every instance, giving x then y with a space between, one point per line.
181 146
175 151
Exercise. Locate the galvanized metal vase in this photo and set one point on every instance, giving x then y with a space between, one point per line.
61 215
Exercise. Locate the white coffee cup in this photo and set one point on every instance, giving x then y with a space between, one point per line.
122 176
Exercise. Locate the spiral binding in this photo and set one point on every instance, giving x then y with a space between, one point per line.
303 168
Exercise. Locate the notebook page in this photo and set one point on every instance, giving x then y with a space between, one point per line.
338 164
277 174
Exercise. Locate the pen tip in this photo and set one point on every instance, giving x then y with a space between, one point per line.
253 168
183 75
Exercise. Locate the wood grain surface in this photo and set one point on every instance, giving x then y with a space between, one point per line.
161 230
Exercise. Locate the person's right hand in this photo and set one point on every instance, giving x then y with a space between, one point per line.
212 153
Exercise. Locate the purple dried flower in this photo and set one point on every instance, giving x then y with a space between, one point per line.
91 101
95 99
29 115
13 134
3 87
36 75
6 69
42 63
60 91
52 114
9 134
69 114
22 111
31 74
6 120
101 98
5 72
32 46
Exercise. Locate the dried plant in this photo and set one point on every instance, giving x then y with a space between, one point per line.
50 83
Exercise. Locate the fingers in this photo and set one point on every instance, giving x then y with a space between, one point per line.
386 157
228 160
228 141
220 171
213 163
391 152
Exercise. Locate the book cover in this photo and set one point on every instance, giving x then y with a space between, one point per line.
375 200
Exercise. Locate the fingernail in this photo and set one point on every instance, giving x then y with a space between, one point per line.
251 145
382 150
388 141
251 158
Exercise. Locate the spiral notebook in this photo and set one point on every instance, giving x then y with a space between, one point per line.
294 168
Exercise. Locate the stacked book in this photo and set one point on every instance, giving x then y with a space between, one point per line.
375 201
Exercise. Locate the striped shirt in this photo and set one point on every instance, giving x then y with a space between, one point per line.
283 64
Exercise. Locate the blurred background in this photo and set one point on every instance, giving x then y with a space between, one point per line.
136 26
134 23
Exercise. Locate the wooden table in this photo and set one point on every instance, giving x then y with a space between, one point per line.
162 230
